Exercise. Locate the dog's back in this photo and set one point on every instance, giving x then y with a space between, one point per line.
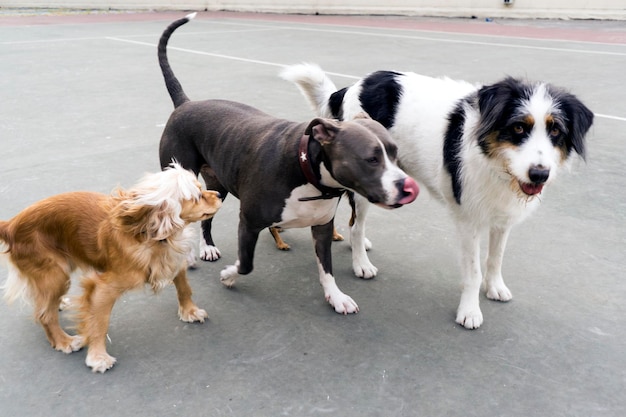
410 105
60 223
47 234
199 133
196 128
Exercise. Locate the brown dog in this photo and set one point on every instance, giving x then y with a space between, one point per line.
122 241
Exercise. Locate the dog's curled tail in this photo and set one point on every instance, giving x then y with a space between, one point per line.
171 82
314 84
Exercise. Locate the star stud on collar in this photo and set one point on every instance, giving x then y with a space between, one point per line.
303 156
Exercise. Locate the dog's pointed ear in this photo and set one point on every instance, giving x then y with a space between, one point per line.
323 130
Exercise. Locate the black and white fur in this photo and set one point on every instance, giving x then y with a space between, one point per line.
256 157
486 151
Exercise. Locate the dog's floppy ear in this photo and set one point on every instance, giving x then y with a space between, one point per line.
163 221
493 103
152 222
579 120
323 130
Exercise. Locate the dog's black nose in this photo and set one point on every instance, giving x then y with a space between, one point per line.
538 174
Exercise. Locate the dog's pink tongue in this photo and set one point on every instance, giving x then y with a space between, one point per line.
531 189
411 190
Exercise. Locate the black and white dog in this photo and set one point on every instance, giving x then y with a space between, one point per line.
284 173
486 151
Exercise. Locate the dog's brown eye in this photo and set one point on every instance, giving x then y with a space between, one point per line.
555 132
373 160
518 129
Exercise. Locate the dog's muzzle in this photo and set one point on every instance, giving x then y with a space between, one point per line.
408 190
407 193
538 176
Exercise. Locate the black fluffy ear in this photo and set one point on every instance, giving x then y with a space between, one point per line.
495 103
323 130
579 120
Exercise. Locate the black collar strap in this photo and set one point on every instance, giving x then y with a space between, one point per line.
307 169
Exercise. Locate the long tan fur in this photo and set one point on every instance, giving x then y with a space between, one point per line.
122 241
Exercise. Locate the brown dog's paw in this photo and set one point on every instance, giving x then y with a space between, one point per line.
71 344
193 314
100 362
336 236
283 246
280 243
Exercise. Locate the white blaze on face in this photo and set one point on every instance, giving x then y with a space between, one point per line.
537 150
390 177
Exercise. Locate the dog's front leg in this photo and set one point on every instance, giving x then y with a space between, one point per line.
188 311
361 264
496 289
99 296
245 263
469 314
322 239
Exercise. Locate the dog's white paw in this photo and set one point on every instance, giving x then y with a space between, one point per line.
65 304
470 319
209 252
192 261
362 266
342 303
73 344
229 275
499 292
193 315
100 362
77 343
365 270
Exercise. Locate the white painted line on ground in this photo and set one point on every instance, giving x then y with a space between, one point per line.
461 41
608 116
275 64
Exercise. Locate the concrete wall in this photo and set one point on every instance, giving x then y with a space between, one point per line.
556 9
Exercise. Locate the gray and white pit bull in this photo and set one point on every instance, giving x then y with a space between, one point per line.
284 173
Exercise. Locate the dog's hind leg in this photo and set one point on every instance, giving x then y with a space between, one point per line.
280 243
322 239
337 237
47 289
247 239
496 289
100 293
208 249
187 310
361 264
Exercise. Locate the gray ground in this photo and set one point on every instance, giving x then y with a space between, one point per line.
83 106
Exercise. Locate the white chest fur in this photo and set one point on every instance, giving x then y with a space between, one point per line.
307 213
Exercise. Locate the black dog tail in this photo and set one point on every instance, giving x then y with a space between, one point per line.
171 82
